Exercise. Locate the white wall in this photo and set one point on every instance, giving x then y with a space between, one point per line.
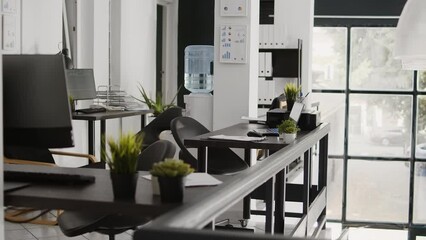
134 52
41 26
298 18
235 85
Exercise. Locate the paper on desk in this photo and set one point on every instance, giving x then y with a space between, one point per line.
197 180
238 138
259 118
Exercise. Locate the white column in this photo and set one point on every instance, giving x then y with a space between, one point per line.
85 33
235 85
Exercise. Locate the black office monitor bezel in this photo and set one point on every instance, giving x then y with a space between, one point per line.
90 88
46 101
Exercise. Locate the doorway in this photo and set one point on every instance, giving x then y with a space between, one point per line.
159 49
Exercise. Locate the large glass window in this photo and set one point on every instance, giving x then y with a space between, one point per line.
368 99
421 128
373 66
378 197
332 108
419 193
329 58
379 125
335 189
422 81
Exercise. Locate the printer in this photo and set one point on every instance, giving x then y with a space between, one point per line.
308 120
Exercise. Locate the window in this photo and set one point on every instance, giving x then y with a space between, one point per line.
329 58
373 66
371 103
422 81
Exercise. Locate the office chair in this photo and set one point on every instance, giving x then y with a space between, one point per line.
161 123
220 160
74 223
34 156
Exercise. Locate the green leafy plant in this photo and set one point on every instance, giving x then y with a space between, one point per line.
171 168
124 153
157 105
72 103
288 126
291 91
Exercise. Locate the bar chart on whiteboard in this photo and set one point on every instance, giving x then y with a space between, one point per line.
233 43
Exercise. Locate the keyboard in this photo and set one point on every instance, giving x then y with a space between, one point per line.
268 131
43 177
91 110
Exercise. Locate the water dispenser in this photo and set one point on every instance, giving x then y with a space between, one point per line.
199 80
199 68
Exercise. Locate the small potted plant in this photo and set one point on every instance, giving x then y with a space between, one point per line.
122 162
291 91
156 105
171 174
288 128
72 103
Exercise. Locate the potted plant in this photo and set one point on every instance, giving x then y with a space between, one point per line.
122 162
291 92
72 103
288 128
171 174
156 105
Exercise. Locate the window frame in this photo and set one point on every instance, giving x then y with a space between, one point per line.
349 23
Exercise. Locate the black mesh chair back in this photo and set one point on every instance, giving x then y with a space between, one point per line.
186 127
220 160
161 123
74 223
156 152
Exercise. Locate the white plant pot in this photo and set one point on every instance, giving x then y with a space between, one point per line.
289 137
155 185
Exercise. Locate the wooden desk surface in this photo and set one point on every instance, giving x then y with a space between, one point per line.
241 129
108 114
97 196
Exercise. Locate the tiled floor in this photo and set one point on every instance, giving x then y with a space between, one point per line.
25 231
15 231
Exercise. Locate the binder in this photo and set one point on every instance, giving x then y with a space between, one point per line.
261 64
277 36
261 36
271 91
270 36
266 36
268 64
262 91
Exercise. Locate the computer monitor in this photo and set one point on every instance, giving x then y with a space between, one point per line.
35 101
81 84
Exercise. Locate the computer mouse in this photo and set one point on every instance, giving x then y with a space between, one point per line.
253 133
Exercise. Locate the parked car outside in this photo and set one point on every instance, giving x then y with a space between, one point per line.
390 136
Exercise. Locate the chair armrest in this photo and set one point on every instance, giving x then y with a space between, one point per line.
28 162
91 158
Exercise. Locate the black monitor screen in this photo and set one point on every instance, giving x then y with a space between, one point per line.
81 84
35 101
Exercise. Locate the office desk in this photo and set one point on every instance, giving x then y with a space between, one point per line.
103 116
97 196
202 142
